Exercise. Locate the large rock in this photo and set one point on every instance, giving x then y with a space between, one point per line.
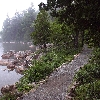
5 56
7 89
4 62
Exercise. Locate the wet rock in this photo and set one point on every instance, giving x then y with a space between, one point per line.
28 52
19 59
15 61
11 66
35 56
19 69
5 56
4 62
28 58
11 53
7 89
16 56
20 55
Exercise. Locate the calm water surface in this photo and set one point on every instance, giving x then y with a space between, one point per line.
7 78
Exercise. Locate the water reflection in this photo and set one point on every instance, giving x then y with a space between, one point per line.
17 47
11 77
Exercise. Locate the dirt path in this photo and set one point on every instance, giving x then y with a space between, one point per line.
59 81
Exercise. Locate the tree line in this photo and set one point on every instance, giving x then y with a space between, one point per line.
19 27
70 24
78 21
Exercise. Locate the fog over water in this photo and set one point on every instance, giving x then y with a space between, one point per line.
7 78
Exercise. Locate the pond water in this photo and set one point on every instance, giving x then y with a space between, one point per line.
8 78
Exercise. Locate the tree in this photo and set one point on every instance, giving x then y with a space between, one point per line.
41 33
28 18
61 35
6 29
19 27
82 14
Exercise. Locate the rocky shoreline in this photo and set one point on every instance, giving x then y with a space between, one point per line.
18 62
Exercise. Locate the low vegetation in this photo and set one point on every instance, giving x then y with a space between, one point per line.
89 79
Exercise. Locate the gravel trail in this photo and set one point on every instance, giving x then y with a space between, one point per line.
56 87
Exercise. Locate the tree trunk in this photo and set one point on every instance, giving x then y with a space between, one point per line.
82 38
45 47
76 42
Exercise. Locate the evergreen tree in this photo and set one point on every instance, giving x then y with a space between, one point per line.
19 27
82 14
41 33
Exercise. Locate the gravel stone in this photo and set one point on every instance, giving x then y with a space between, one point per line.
56 87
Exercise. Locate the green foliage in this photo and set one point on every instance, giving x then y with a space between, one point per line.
85 75
89 91
96 57
91 70
89 79
82 14
41 34
24 86
61 34
19 27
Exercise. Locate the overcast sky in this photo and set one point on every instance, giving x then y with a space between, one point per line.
11 6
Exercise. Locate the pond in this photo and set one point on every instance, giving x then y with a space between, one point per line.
8 78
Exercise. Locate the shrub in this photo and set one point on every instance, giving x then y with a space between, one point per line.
96 57
89 78
88 73
89 91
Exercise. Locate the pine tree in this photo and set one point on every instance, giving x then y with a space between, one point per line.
42 29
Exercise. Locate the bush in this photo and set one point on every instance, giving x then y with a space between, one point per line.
89 91
89 79
96 57
88 73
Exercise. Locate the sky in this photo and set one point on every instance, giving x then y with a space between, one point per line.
9 7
